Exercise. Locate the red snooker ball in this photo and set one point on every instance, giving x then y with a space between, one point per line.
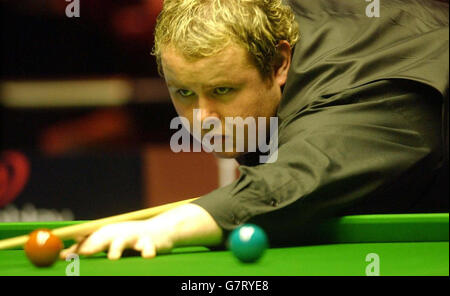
42 247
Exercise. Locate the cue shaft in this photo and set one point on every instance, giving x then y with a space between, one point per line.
87 228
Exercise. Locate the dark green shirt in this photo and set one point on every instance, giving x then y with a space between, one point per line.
359 122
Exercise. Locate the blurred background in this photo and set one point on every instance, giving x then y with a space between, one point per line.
84 122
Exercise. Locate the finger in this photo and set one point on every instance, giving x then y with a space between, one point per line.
95 243
141 242
72 249
80 239
148 249
139 245
66 252
116 248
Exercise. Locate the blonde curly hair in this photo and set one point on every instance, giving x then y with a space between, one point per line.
203 28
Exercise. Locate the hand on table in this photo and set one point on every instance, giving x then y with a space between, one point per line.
142 236
187 225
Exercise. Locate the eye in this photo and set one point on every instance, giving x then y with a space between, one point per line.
222 90
185 93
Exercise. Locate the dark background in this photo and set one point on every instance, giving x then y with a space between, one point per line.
39 41
109 38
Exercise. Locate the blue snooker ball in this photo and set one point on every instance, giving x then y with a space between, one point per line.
248 242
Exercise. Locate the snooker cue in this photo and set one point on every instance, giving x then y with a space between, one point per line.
87 228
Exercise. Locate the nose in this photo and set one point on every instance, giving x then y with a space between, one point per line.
206 109
207 115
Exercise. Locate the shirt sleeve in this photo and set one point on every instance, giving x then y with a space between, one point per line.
333 155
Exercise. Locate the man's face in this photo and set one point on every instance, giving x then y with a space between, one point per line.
224 85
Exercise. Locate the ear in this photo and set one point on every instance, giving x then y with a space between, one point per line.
282 62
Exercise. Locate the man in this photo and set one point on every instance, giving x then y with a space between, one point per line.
359 102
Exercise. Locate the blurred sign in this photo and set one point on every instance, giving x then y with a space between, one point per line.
82 92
